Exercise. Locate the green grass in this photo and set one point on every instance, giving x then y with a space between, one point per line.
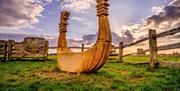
146 58
45 76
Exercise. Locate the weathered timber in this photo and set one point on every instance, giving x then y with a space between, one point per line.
129 54
10 45
160 48
120 51
31 46
170 32
3 50
153 48
166 33
166 47
46 46
70 47
134 43
95 57
82 48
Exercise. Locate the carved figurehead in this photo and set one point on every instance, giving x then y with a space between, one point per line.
92 59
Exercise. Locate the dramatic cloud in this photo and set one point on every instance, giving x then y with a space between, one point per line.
164 18
78 6
175 3
167 18
20 13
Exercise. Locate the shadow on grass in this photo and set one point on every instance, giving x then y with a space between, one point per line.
30 60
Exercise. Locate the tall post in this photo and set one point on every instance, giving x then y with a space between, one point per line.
5 54
82 48
46 50
10 45
153 48
120 52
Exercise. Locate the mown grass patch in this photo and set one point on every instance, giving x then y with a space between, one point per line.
45 76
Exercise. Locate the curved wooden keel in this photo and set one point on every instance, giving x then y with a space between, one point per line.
93 59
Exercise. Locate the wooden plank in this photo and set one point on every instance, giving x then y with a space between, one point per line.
82 48
129 54
166 33
170 32
10 45
153 48
166 47
134 43
31 46
171 46
120 52
160 48
5 54
46 45
71 47
3 50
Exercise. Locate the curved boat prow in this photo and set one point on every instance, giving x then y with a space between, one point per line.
92 59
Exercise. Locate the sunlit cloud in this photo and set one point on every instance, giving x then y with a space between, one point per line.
19 13
164 18
77 19
78 6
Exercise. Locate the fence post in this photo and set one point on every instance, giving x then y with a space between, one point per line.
120 51
153 48
10 45
82 48
46 50
5 55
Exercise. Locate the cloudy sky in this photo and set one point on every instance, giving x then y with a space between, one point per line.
41 17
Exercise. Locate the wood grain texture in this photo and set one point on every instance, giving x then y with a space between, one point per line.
92 59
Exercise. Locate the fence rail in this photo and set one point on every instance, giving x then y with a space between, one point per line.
152 45
33 47
71 47
166 33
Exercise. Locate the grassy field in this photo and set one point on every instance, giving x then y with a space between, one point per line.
135 59
45 76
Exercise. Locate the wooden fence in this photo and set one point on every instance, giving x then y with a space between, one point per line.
6 47
31 47
153 48
3 50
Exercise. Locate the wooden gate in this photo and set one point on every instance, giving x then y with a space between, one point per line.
31 47
3 50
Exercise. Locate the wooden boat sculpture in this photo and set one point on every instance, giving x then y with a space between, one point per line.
92 59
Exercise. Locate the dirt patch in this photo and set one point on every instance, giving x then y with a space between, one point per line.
122 72
58 75
136 80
